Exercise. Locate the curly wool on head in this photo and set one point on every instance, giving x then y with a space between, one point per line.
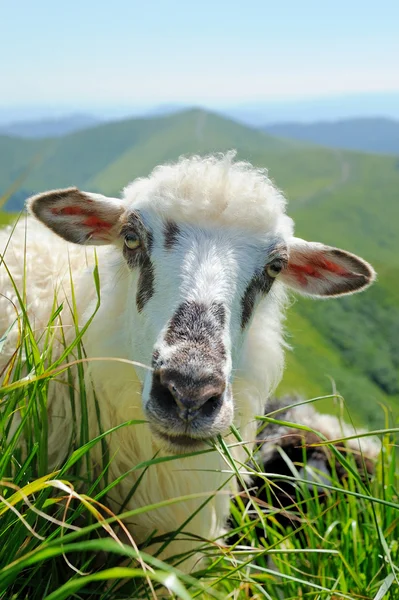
213 189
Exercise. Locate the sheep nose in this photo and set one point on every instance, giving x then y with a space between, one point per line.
190 397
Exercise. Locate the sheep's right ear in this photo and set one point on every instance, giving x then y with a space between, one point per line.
79 217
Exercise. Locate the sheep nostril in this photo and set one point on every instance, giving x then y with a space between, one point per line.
211 405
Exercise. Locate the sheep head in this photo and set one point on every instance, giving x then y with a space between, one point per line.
204 242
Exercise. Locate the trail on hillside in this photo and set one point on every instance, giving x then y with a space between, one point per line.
200 125
342 179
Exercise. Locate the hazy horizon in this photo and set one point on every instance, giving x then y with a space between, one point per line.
305 109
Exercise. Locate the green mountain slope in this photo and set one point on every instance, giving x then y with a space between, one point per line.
16 156
360 214
193 131
78 157
337 197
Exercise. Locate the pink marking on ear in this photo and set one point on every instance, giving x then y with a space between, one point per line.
314 269
333 267
97 223
69 210
301 272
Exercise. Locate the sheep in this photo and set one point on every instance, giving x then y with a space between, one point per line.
295 441
195 264
288 450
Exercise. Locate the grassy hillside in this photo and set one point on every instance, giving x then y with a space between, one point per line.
377 135
18 157
340 198
360 214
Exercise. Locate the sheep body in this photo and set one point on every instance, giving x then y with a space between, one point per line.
49 261
295 410
307 456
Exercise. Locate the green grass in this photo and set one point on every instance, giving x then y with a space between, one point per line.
55 526
7 218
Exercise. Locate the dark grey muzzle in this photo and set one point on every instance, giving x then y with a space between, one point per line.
186 397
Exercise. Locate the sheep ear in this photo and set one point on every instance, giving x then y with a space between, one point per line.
79 217
318 270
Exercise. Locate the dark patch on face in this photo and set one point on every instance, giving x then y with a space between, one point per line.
261 283
196 329
219 312
195 321
133 222
140 257
145 288
171 233
150 241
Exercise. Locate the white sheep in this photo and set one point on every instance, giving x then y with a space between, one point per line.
195 262
294 455
285 449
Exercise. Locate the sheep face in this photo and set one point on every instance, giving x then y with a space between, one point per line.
195 281
193 318
193 292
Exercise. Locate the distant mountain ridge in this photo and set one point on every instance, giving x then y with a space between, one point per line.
254 113
47 128
378 135
373 135
308 110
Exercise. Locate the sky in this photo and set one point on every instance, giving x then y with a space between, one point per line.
125 52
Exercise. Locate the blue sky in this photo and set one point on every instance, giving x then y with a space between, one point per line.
123 51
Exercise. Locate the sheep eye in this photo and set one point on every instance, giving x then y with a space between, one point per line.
274 269
132 241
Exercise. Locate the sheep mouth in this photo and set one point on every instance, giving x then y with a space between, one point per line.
181 442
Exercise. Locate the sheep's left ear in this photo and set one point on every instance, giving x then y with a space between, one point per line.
79 217
317 270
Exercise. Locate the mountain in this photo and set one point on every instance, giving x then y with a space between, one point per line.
107 157
342 198
161 110
366 135
48 127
